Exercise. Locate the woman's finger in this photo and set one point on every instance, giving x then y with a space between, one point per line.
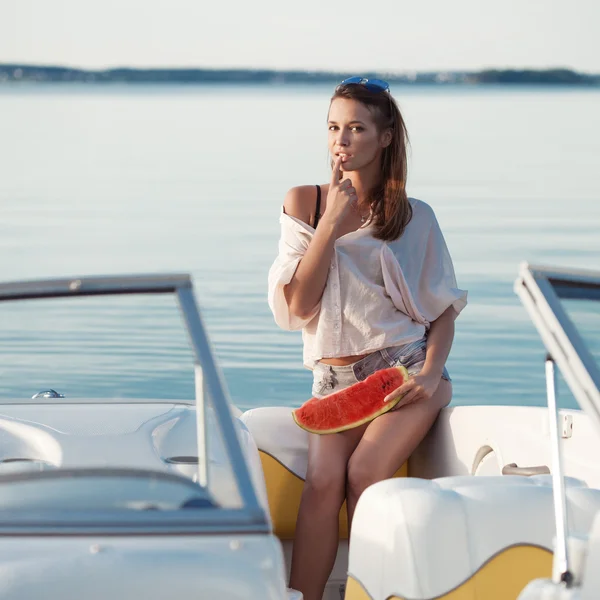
336 173
408 398
403 389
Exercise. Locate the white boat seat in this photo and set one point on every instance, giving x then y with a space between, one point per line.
458 538
283 450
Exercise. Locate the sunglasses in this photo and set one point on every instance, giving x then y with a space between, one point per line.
373 85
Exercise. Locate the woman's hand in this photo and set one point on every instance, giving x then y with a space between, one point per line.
341 195
417 389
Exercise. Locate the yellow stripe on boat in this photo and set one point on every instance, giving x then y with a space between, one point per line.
503 577
284 490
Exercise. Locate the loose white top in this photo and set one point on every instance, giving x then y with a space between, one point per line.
378 294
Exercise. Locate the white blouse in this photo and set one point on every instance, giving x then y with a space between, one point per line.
378 294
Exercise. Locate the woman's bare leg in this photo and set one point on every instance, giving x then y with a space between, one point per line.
388 442
317 527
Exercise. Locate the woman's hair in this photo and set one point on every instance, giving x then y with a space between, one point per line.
389 202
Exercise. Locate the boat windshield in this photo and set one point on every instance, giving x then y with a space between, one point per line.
115 347
564 305
585 316
112 402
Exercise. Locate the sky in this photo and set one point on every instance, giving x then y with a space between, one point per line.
349 35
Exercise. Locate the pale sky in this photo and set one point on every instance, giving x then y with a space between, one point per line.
350 35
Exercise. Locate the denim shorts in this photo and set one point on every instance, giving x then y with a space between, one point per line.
328 379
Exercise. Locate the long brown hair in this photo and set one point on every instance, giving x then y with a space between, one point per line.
389 202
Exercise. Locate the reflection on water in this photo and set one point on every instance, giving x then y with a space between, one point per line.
192 179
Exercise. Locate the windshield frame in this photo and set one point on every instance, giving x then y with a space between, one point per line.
541 290
249 518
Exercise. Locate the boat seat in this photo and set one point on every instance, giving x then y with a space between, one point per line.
283 450
459 538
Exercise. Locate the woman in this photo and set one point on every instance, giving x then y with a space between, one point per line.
364 271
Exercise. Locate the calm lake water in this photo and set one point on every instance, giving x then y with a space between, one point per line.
191 179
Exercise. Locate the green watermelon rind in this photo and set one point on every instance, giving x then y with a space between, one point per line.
388 406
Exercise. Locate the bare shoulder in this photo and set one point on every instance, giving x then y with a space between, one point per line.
300 202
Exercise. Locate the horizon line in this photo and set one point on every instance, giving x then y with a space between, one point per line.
393 73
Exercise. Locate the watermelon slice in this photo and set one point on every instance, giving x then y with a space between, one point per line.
352 406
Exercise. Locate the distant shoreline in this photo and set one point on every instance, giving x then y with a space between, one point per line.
19 73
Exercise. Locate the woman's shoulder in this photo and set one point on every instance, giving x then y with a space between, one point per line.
301 202
421 221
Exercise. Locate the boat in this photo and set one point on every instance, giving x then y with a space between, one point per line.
199 499
133 498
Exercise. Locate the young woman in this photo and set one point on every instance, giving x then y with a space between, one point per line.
364 271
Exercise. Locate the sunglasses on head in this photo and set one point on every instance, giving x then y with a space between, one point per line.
374 85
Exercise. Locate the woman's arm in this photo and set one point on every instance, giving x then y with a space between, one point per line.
439 341
306 287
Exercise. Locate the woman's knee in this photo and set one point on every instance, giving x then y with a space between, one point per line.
360 476
325 485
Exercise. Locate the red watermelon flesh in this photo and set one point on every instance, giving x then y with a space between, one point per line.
352 406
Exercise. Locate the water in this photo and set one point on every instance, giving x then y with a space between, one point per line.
191 179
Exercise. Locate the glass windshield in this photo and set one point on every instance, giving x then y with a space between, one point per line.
107 347
564 305
585 316
123 432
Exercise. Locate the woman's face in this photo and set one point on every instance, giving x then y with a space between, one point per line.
354 135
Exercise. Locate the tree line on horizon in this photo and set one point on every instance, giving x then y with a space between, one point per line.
11 73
